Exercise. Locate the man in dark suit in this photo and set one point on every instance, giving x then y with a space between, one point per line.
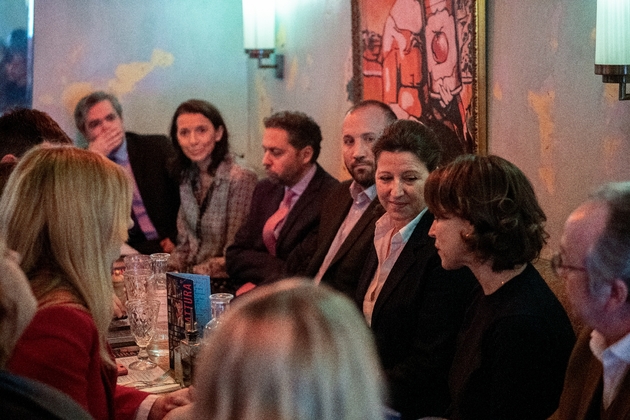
278 238
350 212
594 262
145 158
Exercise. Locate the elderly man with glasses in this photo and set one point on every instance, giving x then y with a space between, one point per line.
594 261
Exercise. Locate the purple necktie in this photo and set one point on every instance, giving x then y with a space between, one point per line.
137 206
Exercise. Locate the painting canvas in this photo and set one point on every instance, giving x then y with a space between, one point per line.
426 60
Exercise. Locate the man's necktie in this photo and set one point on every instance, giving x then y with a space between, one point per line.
139 212
269 237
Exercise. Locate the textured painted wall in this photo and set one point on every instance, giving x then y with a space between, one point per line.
152 55
315 36
547 110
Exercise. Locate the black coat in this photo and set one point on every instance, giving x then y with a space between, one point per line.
345 268
150 157
415 322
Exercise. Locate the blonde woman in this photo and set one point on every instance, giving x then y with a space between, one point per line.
21 397
290 351
66 212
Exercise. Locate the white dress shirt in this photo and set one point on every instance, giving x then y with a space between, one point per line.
615 361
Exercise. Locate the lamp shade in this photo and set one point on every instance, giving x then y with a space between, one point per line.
612 43
259 24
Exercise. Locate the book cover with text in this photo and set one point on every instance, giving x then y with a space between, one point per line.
188 301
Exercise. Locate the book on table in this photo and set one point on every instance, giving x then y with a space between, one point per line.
188 301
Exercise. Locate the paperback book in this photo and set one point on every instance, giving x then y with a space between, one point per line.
188 298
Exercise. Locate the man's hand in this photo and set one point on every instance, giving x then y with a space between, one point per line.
164 404
119 307
106 142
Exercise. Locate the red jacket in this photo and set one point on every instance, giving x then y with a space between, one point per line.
60 348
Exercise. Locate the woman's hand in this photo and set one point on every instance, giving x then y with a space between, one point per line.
119 308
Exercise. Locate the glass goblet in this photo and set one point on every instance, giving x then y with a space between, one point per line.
138 284
142 316
137 262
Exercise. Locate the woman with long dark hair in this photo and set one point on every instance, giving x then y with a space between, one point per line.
215 191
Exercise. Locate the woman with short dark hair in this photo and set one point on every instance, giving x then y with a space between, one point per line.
516 340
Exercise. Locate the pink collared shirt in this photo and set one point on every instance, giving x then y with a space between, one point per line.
389 243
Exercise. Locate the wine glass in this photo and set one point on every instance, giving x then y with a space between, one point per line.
142 316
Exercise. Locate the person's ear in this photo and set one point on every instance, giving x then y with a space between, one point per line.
9 158
306 154
618 295
218 134
468 230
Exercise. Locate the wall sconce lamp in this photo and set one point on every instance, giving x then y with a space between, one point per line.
259 31
612 43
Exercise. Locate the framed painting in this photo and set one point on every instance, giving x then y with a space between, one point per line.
426 60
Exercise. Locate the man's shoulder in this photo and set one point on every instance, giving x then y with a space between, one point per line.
323 179
343 186
265 187
234 170
148 149
146 139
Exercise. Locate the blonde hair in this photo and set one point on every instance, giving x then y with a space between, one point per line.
17 303
290 351
66 212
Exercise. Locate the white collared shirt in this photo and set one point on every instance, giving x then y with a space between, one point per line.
389 243
361 200
615 361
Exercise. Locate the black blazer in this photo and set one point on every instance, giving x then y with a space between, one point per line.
345 268
149 157
23 398
247 259
415 322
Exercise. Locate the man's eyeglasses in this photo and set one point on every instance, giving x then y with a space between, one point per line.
558 266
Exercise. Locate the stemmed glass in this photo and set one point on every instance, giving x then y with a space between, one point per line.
142 316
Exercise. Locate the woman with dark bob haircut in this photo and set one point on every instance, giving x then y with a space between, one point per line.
516 339
215 192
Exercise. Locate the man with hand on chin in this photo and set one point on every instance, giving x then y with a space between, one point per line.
98 116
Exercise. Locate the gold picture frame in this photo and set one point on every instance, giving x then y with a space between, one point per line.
427 60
